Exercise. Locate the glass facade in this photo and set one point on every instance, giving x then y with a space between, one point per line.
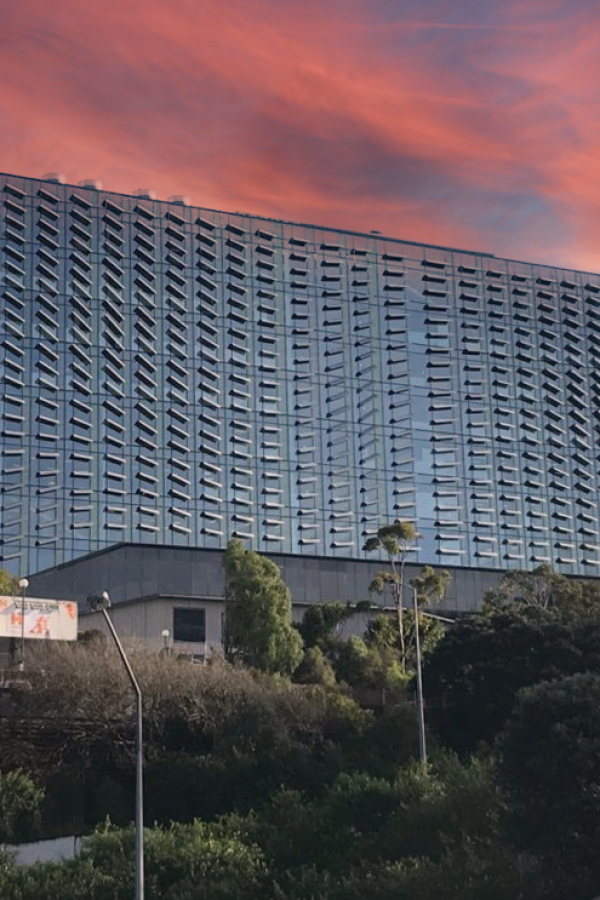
177 376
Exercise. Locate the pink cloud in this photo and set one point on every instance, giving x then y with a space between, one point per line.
476 130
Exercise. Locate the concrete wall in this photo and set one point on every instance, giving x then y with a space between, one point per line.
145 620
134 571
54 850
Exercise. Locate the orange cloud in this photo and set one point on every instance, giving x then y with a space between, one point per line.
469 124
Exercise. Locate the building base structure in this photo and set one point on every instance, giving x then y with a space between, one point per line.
151 587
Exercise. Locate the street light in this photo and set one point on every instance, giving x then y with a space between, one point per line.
420 705
23 584
165 634
101 603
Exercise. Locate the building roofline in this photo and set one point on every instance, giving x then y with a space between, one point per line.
331 228
223 212
270 555
155 598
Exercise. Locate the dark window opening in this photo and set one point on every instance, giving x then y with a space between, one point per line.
189 625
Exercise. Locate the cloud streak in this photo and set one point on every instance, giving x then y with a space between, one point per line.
471 124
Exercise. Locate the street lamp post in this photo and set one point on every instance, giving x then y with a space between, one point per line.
23 584
101 603
420 704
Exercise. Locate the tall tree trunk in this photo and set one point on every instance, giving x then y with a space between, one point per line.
398 591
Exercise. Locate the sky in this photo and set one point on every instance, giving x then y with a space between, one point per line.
466 123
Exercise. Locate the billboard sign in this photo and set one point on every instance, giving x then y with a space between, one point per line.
38 619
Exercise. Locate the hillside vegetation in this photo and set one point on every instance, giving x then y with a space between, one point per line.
262 785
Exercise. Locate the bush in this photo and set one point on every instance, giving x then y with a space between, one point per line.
20 801
550 766
83 698
315 668
361 665
474 674
182 862
429 832
182 788
245 735
320 620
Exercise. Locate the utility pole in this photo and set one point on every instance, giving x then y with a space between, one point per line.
420 703
23 584
101 603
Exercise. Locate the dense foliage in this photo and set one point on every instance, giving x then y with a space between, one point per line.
9 584
543 588
550 769
20 801
474 674
397 837
291 791
183 862
218 738
259 612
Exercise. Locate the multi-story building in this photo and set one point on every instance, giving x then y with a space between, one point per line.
174 376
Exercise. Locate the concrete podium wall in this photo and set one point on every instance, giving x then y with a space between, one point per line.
134 572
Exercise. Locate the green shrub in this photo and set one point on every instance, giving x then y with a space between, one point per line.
315 668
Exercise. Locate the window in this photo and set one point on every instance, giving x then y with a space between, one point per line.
189 625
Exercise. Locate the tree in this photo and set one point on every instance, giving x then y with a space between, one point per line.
382 633
20 801
474 673
320 620
259 613
430 587
182 862
9 584
395 540
427 832
315 668
254 732
550 765
543 588
360 664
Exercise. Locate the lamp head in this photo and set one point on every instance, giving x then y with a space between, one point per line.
99 601
165 633
23 584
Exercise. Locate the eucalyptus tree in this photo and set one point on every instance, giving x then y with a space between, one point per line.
396 541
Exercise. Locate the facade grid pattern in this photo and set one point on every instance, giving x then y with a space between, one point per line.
177 376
